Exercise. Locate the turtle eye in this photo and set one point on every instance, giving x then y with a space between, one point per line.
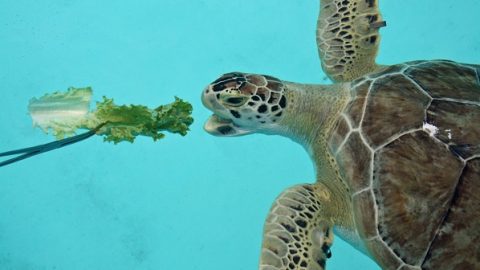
233 100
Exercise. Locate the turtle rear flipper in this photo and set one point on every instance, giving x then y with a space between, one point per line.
348 37
298 231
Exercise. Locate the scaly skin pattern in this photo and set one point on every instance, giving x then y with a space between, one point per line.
297 232
348 37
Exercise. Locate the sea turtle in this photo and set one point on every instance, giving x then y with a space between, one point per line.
396 150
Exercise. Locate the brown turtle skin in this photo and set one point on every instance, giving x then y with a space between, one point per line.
408 146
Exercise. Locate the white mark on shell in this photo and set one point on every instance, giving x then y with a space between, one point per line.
449 133
430 129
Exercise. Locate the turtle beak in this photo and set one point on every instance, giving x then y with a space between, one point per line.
218 126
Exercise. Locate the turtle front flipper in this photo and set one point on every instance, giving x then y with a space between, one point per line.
348 37
298 233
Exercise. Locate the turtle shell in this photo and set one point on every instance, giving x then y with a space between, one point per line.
408 146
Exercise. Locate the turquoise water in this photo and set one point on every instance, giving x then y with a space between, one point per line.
194 202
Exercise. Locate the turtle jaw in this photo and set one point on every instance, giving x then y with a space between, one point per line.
223 127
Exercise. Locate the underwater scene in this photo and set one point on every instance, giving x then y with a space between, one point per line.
186 200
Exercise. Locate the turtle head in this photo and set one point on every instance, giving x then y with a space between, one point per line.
243 104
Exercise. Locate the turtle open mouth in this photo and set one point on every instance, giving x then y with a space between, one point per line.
216 125
219 126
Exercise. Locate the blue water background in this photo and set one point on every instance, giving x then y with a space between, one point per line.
194 202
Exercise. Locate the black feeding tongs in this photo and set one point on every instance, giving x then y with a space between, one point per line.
39 149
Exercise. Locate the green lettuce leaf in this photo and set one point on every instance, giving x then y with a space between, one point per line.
63 113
